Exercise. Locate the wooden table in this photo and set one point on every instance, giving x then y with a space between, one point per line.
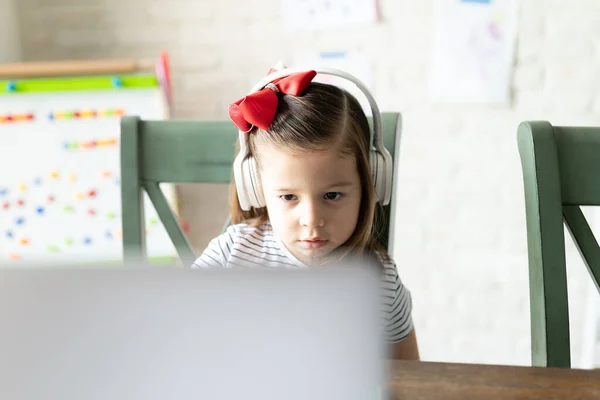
413 380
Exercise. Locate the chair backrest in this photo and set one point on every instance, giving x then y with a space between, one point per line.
561 172
175 151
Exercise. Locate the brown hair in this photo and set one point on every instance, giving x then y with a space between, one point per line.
324 115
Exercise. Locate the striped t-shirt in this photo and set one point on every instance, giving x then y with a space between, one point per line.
245 245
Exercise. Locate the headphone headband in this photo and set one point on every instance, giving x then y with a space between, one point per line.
377 139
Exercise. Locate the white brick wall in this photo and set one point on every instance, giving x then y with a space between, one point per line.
460 228
10 43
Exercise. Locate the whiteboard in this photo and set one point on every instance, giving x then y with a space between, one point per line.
60 198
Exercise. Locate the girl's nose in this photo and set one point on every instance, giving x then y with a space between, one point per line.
311 216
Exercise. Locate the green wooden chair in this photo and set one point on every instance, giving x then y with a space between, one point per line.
174 151
561 172
153 152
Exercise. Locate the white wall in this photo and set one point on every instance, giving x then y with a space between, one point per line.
460 227
10 44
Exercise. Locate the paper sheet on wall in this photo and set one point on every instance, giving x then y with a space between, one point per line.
473 51
355 63
306 15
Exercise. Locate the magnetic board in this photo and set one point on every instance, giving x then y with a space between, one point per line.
60 198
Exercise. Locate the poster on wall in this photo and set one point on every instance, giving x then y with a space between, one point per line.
307 15
473 50
358 64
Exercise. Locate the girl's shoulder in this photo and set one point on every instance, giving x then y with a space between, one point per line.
384 258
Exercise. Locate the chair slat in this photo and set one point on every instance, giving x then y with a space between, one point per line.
167 217
187 151
132 205
579 159
549 310
584 240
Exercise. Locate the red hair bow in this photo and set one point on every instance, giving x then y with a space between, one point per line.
259 108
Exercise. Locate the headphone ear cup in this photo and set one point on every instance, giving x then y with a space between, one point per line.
247 177
241 181
255 188
247 182
378 169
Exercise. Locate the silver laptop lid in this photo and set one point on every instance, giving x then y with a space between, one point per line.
169 333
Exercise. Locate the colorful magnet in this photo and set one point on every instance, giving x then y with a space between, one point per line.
68 241
69 208
3 191
54 174
22 187
116 82
111 215
92 212
87 240
6 205
40 210
10 118
19 220
89 145
51 199
88 114
53 249
108 234
24 241
107 142
79 196
10 234
72 177
37 181
20 202
14 257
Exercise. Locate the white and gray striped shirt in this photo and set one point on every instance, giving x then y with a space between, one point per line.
243 245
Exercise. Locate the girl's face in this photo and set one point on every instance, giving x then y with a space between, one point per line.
313 199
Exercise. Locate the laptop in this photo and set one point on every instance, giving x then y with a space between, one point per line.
172 333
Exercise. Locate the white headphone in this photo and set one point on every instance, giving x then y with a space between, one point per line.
245 170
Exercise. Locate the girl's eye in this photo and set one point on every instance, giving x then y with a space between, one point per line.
332 195
288 197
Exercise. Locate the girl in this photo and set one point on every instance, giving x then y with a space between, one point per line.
303 193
